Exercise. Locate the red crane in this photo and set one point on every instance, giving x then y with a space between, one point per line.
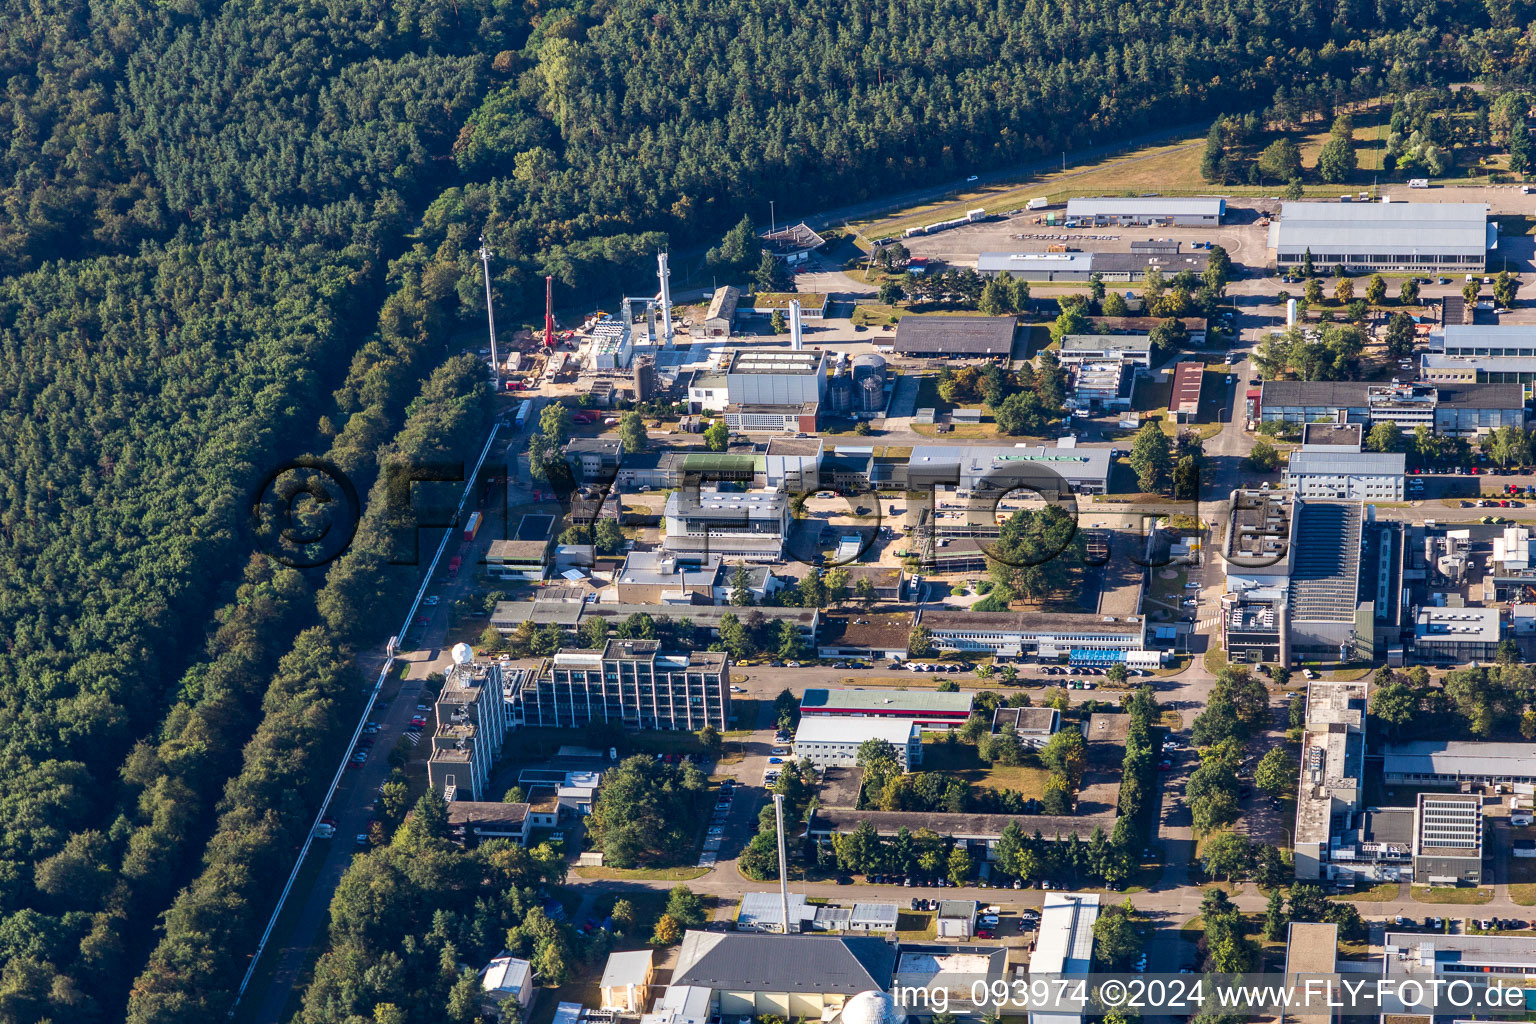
549 312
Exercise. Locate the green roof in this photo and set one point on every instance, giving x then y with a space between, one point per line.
724 462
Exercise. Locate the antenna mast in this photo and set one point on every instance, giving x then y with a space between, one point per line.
490 316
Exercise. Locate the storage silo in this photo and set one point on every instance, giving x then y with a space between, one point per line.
871 391
840 393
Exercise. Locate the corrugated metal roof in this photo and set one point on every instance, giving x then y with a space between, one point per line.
742 961
1148 206
1347 463
1387 228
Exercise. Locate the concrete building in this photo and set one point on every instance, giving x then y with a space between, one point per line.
751 975
632 683
1444 369
928 708
994 469
1064 945
1330 783
525 555
593 459
1103 386
794 463
1448 840
1082 638
979 832
1035 726
1197 211
1184 403
1400 237
733 525
1506 341
1445 958
874 918
831 741
776 377
1311 949
959 337
955 919
569 616
471 725
707 392
1456 634
1452 763
720 318
627 979
864 634
1134 349
1459 410
1358 475
1082 266
1194 326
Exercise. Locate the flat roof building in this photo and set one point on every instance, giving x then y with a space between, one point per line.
1332 771
631 683
1384 236
1082 266
1085 638
1424 959
1095 348
926 707
1456 634
1064 943
994 469
830 741
964 337
1511 340
1035 726
734 525
1454 762
1363 476
1311 949
1448 839
1461 410
1196 211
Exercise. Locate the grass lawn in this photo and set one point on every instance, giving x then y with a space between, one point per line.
1386 892
1522 881
679 874
1461 897
960 760
1215 659
915 925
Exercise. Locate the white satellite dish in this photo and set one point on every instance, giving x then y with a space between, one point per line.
463 654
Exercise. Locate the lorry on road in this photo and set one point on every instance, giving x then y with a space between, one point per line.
524 410
1038 203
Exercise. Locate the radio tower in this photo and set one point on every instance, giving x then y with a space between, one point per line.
490 316
549 311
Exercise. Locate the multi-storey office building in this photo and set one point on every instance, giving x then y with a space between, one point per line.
632 683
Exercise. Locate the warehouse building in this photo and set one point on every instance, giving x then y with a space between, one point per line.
1082 266
1083 638
1198 211
1400 237
832 741
962 337
721 315
1064 946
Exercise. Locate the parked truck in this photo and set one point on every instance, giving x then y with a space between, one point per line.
524 410
472 527
1038 203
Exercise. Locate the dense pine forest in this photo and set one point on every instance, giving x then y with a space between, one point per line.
235 233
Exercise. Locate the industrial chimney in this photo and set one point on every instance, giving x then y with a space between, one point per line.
663 275
796 341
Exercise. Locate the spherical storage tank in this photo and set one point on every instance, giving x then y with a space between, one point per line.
872 1008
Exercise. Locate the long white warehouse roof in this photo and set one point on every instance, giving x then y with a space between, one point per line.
1387 228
